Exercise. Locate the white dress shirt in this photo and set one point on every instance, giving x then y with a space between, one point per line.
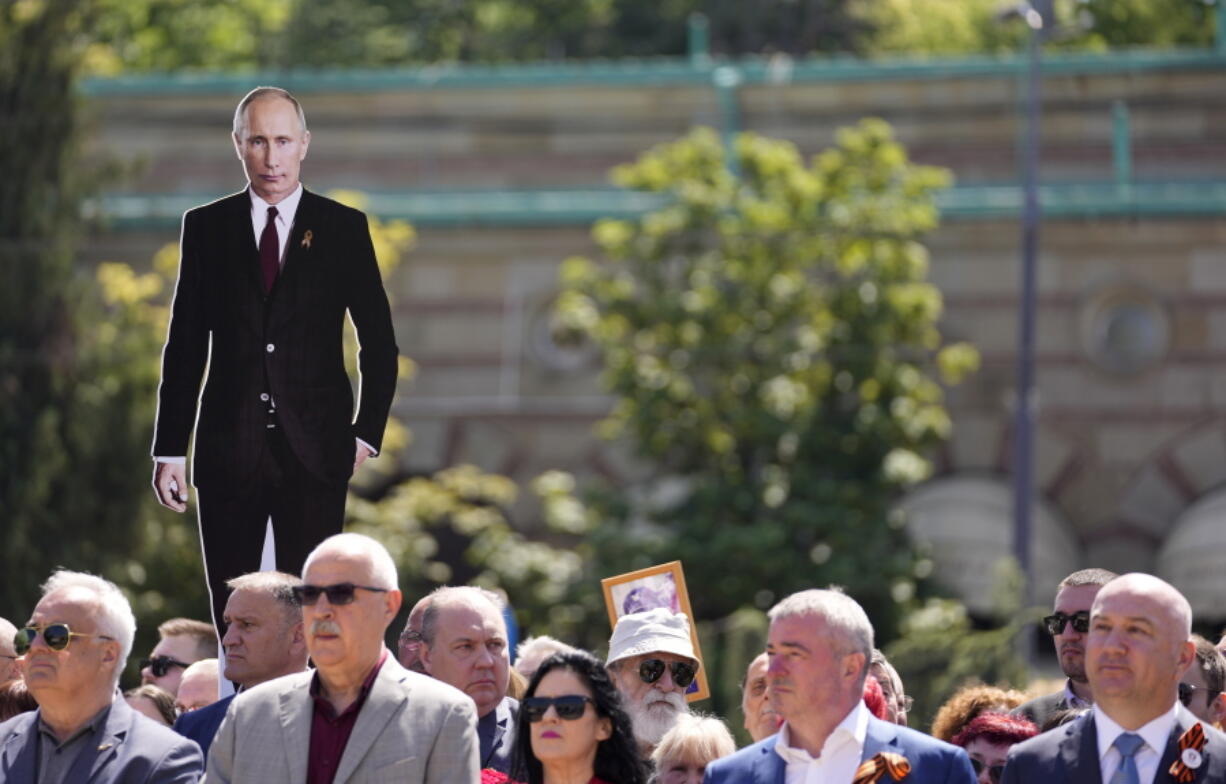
840 755
1155 734
287 208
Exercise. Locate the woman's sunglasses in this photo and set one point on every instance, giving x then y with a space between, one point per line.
568 707
994 771
160 665
56 635
341 593
650 671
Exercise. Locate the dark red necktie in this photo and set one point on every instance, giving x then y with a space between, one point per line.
270 250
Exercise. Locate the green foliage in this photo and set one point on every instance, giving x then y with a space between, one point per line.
940 27
769 338
940 651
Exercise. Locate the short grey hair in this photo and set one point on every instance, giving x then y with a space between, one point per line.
382 567
240 114
534 650
842 614
278 585
451 595
695 739
113 613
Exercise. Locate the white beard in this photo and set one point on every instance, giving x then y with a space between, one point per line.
656 715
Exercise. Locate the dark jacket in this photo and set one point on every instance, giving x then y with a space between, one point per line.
287 345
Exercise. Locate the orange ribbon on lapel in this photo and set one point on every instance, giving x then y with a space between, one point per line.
1191 743
871 771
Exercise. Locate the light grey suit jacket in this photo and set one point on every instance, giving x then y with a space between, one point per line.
411 729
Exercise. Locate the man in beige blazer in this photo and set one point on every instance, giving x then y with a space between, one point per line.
359 718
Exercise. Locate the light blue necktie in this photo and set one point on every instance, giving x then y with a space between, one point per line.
1128 744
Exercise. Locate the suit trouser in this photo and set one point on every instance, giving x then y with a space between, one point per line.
304 511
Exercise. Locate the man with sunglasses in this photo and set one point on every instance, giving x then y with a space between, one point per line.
74 647
1201 689
359 716
819 647
1138 649
464 644
652 663
1068 626
182 642
408 650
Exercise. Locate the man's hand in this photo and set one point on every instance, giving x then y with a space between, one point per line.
170 485
360 455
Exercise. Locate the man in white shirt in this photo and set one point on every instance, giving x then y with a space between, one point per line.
819 646
1139 647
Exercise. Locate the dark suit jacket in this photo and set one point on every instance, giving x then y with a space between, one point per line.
288 344
132 749
496 735
1040 709
201 725
932 762
1068 754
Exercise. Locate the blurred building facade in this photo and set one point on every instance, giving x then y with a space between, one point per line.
502 172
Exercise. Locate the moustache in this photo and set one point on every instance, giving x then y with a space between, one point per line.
324 626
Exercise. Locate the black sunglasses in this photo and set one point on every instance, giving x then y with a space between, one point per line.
650 671
994 771
568 706
56 635
160 665
1187 690
1055 623
341 593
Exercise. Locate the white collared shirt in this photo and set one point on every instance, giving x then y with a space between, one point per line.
1155 734
287 208
840 755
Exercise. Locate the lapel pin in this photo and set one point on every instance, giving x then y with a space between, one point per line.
1191 757
306 239
105 746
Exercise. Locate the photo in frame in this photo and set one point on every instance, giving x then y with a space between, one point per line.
646 589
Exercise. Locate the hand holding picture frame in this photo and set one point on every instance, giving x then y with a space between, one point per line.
647 589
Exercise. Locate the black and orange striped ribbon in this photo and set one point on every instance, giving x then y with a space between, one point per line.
1194 738
871 771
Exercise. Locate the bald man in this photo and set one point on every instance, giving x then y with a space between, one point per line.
9 671
1138 649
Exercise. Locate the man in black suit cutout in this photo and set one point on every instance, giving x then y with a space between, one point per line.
266 277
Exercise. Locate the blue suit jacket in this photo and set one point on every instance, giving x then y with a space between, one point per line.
496 734
201 725
132 749
1069 754
932 761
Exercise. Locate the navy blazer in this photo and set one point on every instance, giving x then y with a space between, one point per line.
132 749
932 761
1069 754
201 725
496 735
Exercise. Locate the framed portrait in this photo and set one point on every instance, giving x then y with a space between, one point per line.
647 589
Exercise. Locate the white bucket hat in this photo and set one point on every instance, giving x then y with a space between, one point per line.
651 631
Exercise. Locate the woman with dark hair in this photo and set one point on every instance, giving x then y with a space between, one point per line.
987 740
572 728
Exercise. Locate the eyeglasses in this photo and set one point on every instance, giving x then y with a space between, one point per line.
1187 690
1055 623
160 665
341 593
568 707
409 637
650 671
56 635
994 771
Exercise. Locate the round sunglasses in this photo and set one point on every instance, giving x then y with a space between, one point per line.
994 771
567 706
55 635
650 671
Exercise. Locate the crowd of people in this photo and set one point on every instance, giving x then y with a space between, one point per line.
320 698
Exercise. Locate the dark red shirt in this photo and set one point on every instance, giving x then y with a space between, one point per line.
329 732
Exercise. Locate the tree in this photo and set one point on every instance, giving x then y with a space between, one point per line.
769 336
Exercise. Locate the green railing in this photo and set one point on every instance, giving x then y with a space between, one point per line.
564 207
